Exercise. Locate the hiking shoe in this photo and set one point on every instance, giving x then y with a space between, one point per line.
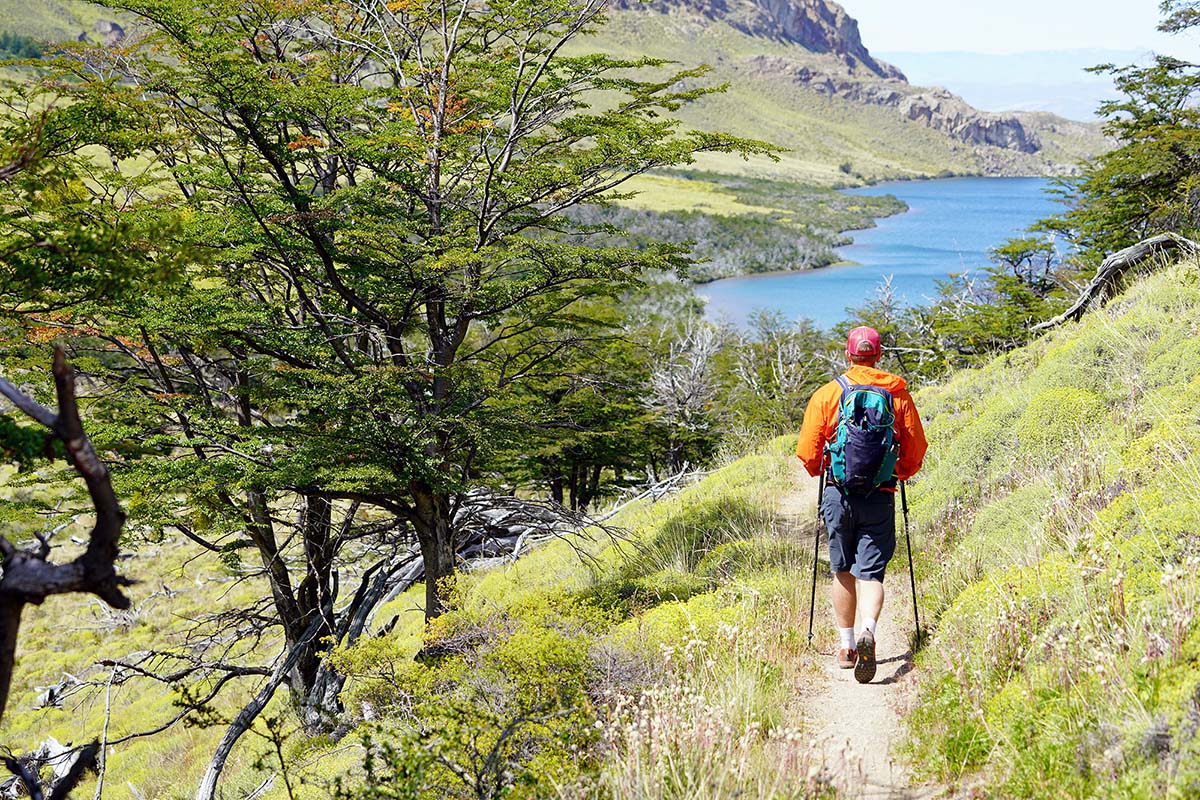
864 668
846 659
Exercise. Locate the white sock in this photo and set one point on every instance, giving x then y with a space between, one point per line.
847 635
869 625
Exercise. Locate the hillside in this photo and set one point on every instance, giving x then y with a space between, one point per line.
1056 561
799 76
1059 522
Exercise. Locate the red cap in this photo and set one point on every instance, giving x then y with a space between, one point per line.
862 342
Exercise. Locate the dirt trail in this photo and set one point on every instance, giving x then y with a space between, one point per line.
861 720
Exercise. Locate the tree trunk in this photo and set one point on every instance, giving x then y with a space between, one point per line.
10 624
435 533
314 592
245 718
1114 267
574 484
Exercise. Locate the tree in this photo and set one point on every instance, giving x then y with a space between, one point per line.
57 250
378 189
1148 184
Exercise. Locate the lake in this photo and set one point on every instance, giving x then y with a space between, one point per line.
949 227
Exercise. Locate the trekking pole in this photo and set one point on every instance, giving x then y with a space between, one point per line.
912 578
812 603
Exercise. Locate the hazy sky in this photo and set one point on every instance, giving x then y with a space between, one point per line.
1016 25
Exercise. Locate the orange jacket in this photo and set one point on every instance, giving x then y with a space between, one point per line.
821 417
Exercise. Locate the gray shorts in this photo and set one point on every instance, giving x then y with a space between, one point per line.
862 532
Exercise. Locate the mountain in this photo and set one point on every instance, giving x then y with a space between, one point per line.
1053 81
799 75
819 26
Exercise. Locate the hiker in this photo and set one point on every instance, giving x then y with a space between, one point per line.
860 516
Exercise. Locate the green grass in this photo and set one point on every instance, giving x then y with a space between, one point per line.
1060 559
50 20
820 134
691 617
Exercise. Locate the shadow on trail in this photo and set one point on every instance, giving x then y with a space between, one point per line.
904 669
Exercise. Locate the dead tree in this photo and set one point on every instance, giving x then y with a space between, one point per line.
28 576
682 387
68 766
1108 276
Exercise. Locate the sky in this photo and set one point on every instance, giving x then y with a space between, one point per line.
1016 26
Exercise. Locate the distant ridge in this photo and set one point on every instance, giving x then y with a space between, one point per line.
806 59
820 26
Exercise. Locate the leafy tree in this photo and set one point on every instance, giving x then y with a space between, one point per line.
1149 183
586 431
54 251
14 45
768 374
378 191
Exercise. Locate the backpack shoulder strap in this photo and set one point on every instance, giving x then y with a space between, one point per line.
843 382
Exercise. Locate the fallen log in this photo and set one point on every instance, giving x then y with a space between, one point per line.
1104 284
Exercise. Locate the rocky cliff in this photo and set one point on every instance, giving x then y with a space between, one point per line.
935 108
821 26
845 69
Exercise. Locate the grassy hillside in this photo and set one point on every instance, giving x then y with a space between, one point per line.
1056 525
49 20
829 140
689 624
1061 547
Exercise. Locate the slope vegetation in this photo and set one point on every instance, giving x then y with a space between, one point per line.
841 120
666 661
1062 559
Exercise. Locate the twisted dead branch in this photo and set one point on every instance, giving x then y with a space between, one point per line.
1104 285
28 576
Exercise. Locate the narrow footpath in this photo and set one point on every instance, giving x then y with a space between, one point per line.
858 724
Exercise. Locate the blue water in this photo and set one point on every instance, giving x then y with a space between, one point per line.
949 227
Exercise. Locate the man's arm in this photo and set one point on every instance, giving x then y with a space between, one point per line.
810 449
912 437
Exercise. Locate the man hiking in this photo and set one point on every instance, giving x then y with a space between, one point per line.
859 508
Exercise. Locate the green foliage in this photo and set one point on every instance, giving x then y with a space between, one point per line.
536 674
21 444
1145 185
14 45
1061 572
754 225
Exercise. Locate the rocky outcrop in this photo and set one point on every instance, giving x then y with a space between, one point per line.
821 26
105 32
949 113
935 108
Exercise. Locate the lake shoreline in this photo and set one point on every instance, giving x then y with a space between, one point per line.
950 226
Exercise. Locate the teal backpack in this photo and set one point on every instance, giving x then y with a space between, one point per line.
864 450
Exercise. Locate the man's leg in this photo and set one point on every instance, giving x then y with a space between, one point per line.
876 518
838 522
844 599
870 601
